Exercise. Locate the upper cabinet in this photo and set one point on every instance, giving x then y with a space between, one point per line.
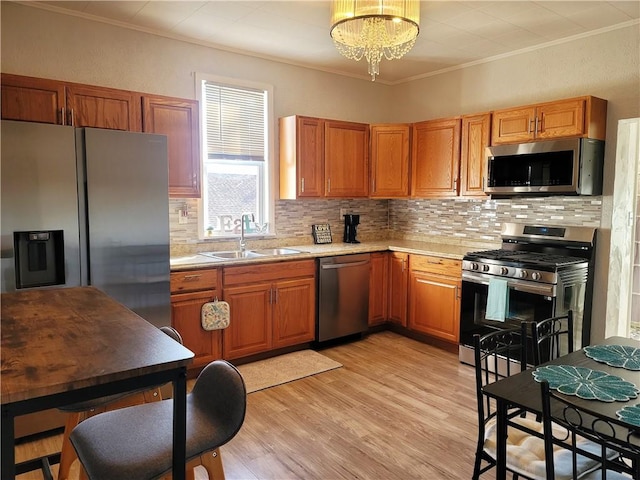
576 117
50 101
436 158
323 158
476 130
346 154
177 119
301 157
390 150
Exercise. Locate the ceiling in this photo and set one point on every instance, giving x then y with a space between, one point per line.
452 33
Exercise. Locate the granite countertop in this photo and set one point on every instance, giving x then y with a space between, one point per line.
445 250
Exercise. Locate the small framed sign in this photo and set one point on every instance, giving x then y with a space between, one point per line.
321 233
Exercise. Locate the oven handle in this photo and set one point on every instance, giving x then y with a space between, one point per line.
519 285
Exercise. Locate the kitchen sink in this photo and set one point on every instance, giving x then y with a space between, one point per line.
277 251
233 254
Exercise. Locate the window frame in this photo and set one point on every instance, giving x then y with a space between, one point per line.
269 162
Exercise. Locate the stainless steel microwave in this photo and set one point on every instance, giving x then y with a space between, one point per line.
570 167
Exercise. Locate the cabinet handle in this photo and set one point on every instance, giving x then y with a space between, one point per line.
374 185
455 185
63 115
191 278
328 185
457 292
270 296
538 125
403 265
435 262
302 185
531 122
72 120
276 291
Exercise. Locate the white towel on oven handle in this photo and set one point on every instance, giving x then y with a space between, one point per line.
497 300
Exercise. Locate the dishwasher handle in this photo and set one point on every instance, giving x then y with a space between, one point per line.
344 265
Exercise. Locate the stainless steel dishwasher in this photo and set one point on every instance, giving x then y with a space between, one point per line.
343 295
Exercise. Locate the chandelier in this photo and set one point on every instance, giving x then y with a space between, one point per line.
374 28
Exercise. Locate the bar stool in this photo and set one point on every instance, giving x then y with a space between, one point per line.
137 442
80 411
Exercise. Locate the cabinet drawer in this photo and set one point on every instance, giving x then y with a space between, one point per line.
192 280
439 265
268 272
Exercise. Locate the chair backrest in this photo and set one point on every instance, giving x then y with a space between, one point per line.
614 444
173 333
497 355
552 338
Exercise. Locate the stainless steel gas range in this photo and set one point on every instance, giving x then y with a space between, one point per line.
540 272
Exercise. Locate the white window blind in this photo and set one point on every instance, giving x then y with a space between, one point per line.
235 122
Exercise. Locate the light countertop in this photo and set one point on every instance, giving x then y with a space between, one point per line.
445 250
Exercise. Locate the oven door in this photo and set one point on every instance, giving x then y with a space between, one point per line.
528 301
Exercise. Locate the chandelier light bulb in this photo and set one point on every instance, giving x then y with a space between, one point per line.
374 29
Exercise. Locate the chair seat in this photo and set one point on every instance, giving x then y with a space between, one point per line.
525 452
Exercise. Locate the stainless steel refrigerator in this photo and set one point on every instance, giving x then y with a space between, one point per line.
100 197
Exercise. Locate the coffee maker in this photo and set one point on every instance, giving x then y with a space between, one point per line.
350 228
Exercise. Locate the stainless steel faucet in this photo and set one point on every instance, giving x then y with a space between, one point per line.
251 218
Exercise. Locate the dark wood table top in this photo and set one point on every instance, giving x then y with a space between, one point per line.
522 390
57 340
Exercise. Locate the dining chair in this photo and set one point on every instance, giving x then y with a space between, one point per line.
78 412
552 338
607 448
137 442
498 355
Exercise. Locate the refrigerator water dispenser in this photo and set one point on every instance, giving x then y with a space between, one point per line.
39 258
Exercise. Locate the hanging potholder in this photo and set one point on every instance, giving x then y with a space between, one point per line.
215 315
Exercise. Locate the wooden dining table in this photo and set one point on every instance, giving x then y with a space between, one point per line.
65 345
523 391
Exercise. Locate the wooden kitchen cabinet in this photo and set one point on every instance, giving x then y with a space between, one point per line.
177 119
435 158
390 149
476 135
190 290
346 155
42 100
434 297
398 287
378 288
272 306
301 157
575 117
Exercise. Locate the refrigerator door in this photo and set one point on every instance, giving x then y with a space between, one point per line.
39 192
127 214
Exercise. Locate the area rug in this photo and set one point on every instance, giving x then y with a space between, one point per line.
284 369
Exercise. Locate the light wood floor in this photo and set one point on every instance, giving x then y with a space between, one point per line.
398 409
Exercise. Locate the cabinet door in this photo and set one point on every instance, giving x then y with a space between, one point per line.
378 288
301 157
390 161
185 317
250 330
473 157
32 99
103 108
561 119
398 287
515 125
346 167
434 305
178 120
436 158
294 305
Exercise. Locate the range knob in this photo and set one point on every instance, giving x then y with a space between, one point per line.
485 268
474 266
504 270
523 274
535 276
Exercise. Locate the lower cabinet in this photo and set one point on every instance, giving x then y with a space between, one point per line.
189 291
379 288
434 297
272 306
398 287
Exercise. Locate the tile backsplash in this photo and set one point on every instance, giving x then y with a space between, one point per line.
458 220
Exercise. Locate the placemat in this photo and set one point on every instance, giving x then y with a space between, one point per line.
586 383
615 355
630 414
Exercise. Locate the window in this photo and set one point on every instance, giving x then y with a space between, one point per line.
236 142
